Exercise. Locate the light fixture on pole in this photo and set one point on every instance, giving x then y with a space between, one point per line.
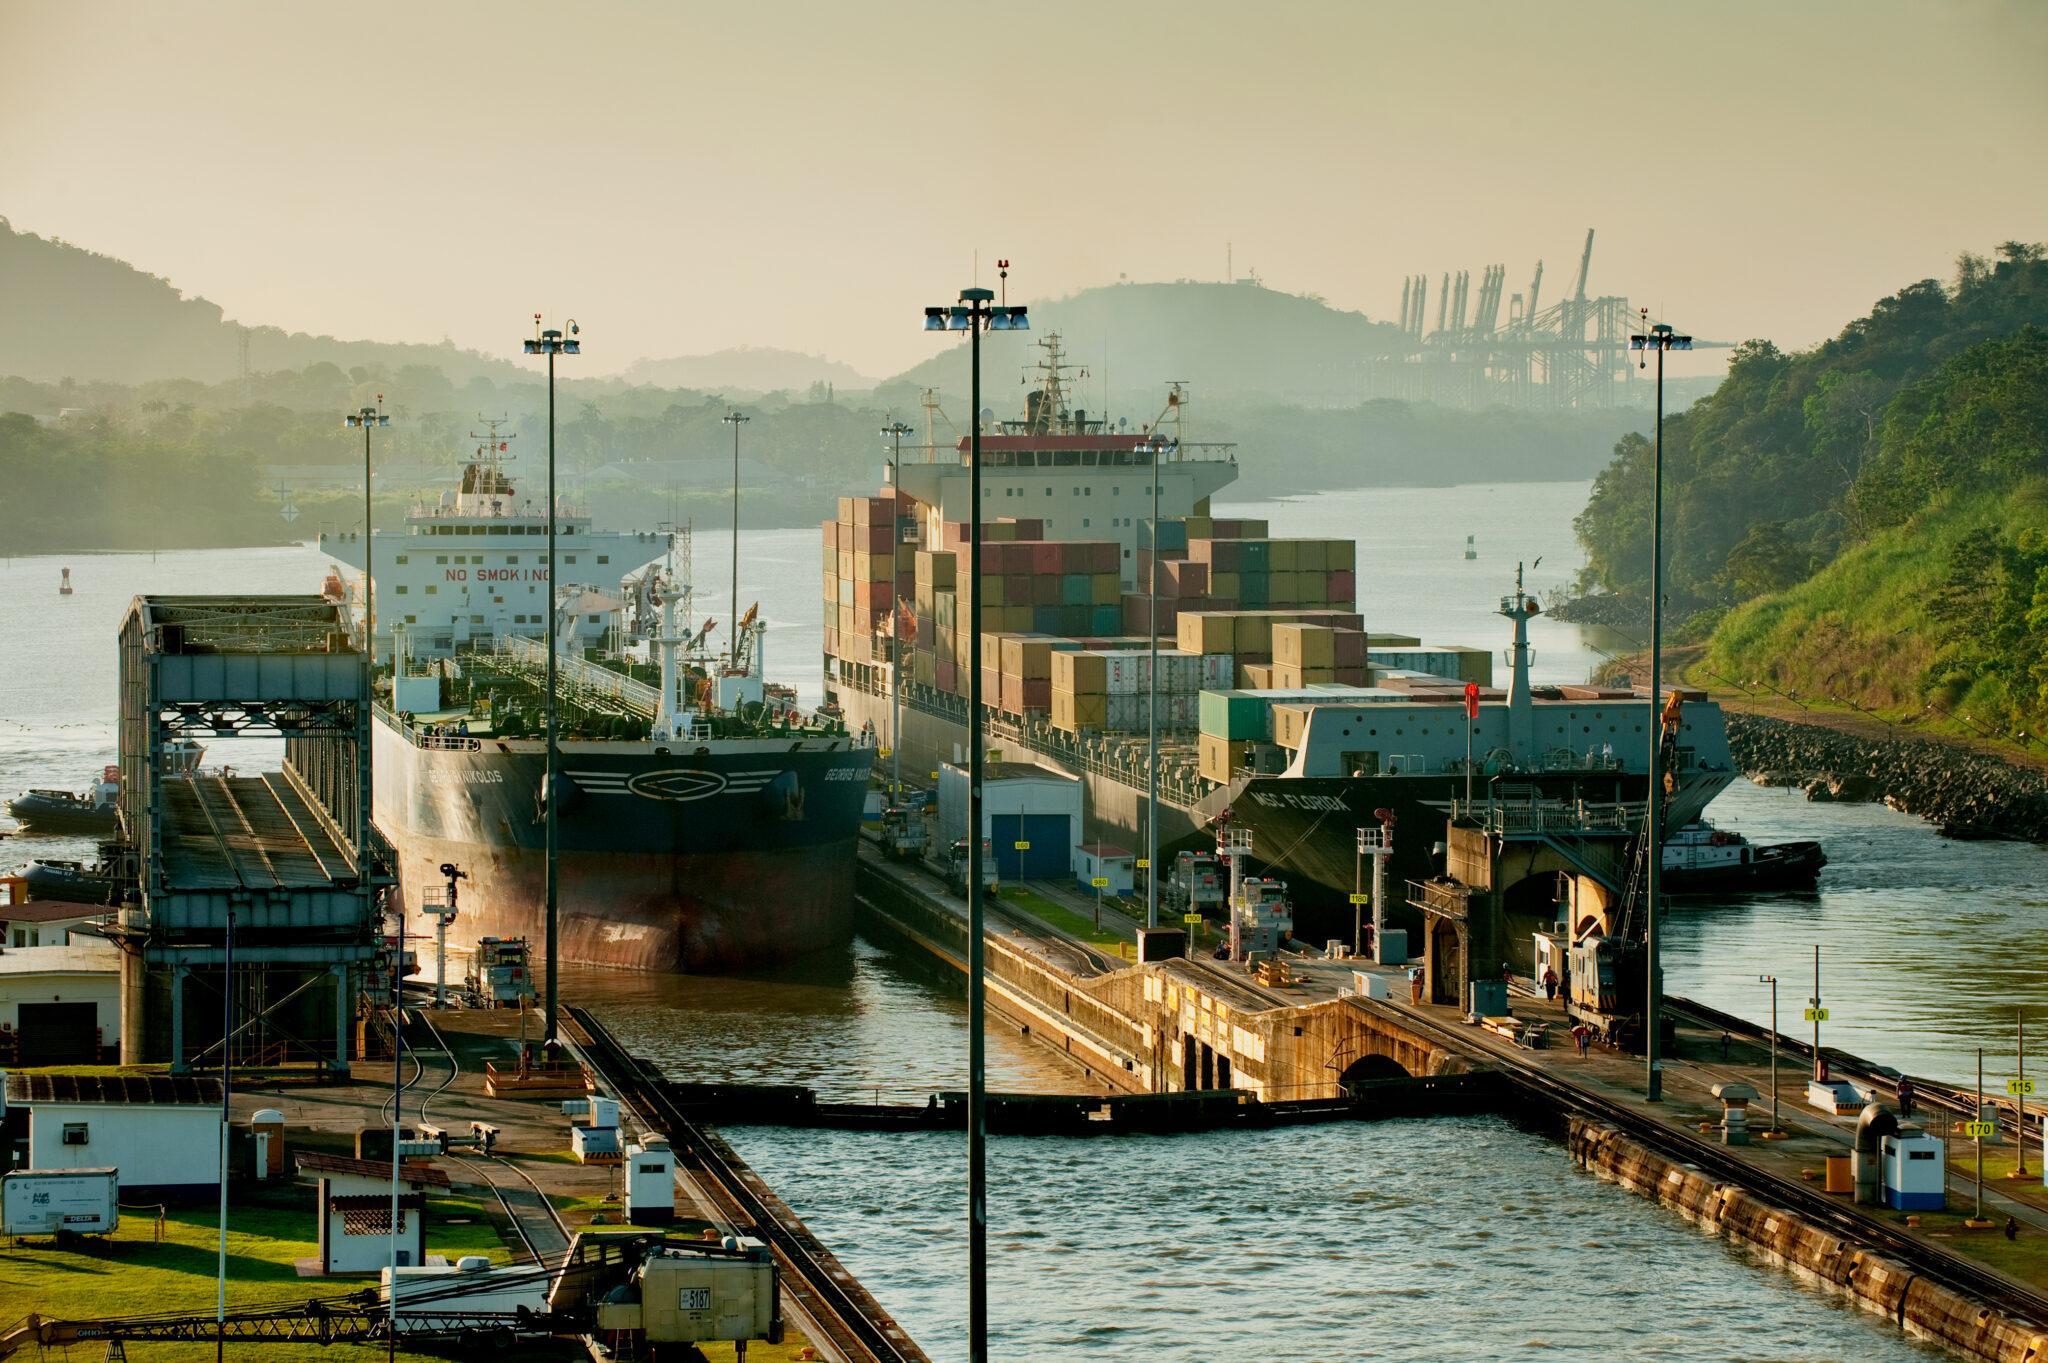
1659 338
366 418
895 430
1772 981
735 420
552 343
974 314
1153 448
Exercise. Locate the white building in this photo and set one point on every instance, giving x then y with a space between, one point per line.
162 1131
60 992
1030 815
355 1211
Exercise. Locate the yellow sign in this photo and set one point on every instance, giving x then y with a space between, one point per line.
1361 899
2019 1087
1144 863
1099 882
1816 1015
1023 847
1191 918
1980 1130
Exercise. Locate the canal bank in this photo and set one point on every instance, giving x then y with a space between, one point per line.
1180 1024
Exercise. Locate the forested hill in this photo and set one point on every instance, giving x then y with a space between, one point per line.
73 313
1797 456
1234 341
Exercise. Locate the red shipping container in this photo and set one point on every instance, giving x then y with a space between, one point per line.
1048 556
1028 527
1185 579
1106 556
1222 556
1343 585
868 510
945 675
1032 695
1020 556
927 632
1349 648
874 539
1044 590
1016 589
1354 676
1226 530
1346 620
906 585
873 596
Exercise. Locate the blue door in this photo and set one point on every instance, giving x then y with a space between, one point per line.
1045 856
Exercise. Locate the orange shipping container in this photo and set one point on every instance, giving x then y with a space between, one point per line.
1028 659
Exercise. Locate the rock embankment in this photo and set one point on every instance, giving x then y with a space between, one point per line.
1966 794
1611 609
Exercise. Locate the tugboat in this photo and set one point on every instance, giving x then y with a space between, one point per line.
93 811
1702 859
71 881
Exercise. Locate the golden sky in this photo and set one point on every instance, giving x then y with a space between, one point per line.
686 177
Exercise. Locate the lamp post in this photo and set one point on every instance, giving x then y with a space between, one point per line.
1659 338
973 314
896 430
1772 981
552 343
1153 448
366 417
735 420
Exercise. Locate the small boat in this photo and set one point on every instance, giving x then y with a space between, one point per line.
1702 859
94 811
71 881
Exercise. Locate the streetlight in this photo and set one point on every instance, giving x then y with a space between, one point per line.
552 343
1153 448
973 314
1659 338
735 420
896 430
1772 981
365 417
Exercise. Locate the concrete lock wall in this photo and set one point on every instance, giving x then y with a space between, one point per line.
1924 1309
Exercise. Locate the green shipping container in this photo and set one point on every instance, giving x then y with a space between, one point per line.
1234 714
1254 589
1077 589
1254 556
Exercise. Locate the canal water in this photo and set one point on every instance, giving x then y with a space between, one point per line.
1399 1240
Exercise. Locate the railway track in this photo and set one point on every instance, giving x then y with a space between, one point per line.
822 1288
1952 1270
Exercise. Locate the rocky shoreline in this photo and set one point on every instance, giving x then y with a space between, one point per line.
1964 793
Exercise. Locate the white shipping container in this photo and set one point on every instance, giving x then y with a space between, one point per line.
1218 669
45 1201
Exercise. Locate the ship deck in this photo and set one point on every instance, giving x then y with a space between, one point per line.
247 832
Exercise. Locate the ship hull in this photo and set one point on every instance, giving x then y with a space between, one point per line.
734 855
40 813
1781 866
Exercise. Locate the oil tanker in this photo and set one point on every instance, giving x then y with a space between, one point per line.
703 824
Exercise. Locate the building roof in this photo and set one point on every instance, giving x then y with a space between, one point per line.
413 1172
80 956
50 911
1106 850
162 1090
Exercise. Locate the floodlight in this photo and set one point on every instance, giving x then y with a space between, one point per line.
934 319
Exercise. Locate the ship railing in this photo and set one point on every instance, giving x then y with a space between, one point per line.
586 677
431 742
1540 817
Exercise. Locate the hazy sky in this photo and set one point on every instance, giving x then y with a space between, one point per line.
685 177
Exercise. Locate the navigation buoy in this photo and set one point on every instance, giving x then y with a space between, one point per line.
64 587
1471 550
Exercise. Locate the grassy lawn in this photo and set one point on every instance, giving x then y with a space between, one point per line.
2025 1258
130 1273
1038 906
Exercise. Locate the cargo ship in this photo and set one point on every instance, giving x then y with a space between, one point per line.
1279 710
703 824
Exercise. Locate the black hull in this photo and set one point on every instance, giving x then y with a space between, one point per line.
46 814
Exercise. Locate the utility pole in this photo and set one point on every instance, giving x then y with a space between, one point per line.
1659 338
1813 1011
1772 981
1153 449
552 343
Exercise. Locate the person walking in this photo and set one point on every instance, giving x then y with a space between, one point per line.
1726 1042
1581 1034
1550 984
1905 1097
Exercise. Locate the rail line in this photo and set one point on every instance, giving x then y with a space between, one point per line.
1954 1271
816 1280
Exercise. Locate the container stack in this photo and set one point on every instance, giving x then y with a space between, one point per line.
866 568
1110 689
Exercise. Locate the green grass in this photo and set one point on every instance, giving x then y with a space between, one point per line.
2025 1258
1038 906
130 1273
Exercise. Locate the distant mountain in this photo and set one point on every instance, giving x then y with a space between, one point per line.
759 369
1230 341
73 313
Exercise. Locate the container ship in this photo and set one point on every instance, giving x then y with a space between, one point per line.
703 824
1279 709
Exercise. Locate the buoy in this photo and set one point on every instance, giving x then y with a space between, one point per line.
1471 549
64 587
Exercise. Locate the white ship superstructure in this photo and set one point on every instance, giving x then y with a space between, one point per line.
473 564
